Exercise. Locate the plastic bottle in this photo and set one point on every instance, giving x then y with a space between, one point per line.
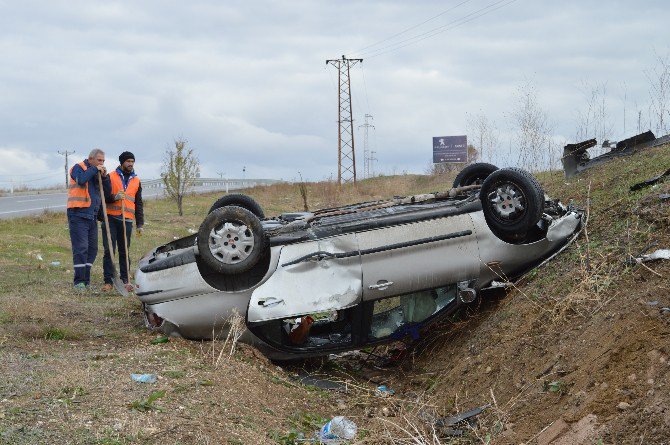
144 378
338 430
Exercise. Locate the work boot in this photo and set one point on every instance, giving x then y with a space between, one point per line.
107 287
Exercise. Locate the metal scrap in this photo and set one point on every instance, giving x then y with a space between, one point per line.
445 424
651 181
576 158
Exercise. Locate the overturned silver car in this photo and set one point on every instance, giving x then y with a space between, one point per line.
314 283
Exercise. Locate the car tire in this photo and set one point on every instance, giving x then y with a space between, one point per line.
231 240
474 174
513 202
240 200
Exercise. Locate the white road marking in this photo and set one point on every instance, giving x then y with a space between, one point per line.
30 210
33 200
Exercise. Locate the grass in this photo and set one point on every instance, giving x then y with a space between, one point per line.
67 358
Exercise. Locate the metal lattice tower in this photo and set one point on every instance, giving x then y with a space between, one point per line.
366 148
346 155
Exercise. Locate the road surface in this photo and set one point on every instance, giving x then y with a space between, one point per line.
26 205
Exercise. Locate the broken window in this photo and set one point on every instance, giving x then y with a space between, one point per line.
393 316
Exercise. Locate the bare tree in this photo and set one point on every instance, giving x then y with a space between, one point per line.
180 169
532 131
483 135
659 92
593 121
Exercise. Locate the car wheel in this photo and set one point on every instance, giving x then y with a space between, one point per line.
474 174
513 202
231 240
240 200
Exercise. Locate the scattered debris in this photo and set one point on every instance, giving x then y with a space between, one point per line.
445 424
665 311
664 197
192 230
339 428
39 257
650 182
652 303
144 378
383 391
55 263
159 340
576 158
329 385
660 254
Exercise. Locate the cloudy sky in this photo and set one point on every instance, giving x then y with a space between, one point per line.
247 85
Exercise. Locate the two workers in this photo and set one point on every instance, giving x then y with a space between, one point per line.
122 192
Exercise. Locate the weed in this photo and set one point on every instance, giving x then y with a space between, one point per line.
174 374
555 386
52 333
149 404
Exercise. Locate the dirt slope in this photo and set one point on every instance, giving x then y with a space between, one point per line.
579 352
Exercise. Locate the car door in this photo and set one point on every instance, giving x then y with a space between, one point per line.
310 279
312 301
419 255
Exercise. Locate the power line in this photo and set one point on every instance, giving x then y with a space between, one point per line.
440 29
412 27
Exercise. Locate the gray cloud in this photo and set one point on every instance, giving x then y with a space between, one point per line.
246 83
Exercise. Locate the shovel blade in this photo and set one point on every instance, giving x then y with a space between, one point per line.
119 286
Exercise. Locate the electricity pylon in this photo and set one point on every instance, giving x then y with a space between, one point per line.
366 149
346 155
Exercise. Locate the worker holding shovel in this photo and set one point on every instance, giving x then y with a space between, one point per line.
124 208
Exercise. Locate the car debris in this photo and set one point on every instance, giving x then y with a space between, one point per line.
650 182
445 425
660 254
576 158
361 275
326 384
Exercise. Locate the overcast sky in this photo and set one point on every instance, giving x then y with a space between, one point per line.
247 85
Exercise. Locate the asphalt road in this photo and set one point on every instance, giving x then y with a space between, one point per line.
27 205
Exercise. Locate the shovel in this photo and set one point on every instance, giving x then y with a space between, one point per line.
125 242
116 281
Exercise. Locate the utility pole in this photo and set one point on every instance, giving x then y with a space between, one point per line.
220 174
346 155
66 154
366 149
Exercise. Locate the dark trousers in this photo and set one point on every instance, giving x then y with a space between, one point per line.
116 232
84 238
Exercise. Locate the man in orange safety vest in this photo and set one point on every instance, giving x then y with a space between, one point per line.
125 203
83 204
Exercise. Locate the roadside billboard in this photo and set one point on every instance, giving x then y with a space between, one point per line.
450 149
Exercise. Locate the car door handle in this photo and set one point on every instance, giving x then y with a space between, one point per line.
270 302
381 286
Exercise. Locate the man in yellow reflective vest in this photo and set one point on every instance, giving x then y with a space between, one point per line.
83 204
126 201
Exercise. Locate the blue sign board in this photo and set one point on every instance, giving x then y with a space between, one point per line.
450 149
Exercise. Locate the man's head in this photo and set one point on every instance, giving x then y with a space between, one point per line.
96 157
127 161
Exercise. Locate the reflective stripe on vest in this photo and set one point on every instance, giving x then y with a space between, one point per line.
77 195
115 208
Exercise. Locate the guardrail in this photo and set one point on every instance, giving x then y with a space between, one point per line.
213 183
